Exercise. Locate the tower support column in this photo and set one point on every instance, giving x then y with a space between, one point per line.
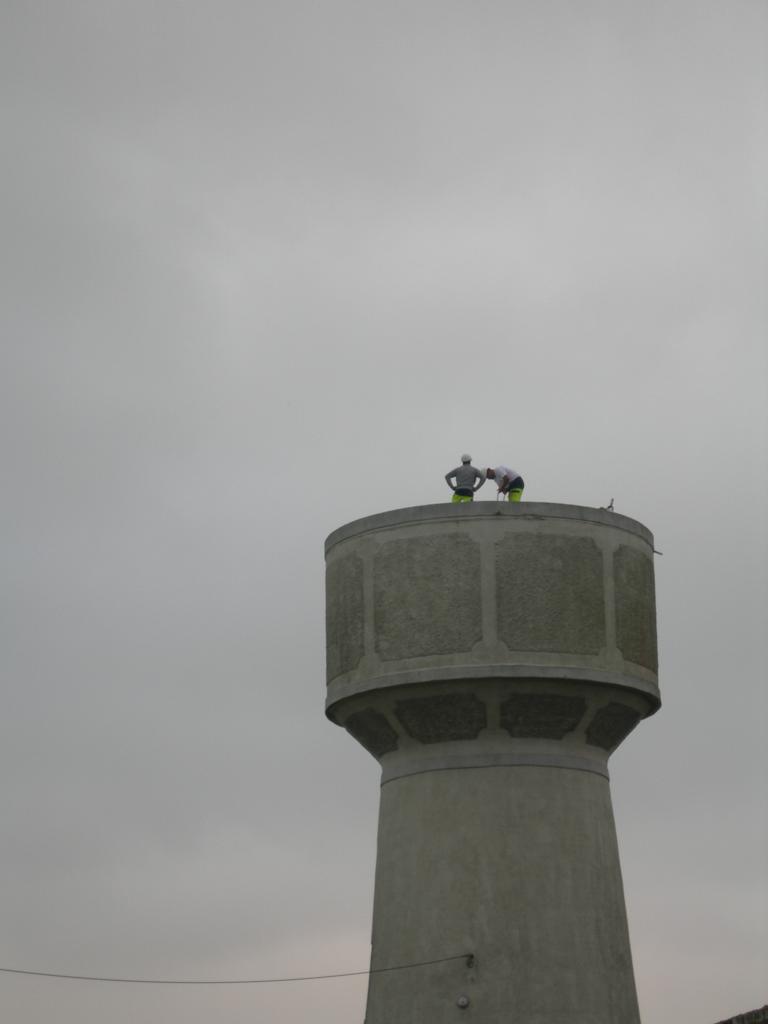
517 865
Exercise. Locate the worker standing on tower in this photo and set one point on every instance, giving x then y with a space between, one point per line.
508 481
465 475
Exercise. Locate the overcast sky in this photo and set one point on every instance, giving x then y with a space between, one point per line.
270 267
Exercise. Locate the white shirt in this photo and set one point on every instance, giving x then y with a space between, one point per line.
504 471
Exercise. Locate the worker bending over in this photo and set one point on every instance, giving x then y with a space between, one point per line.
508 481
465 475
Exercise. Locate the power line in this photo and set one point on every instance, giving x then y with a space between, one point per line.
239 981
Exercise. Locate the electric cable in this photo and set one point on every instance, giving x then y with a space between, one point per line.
239 981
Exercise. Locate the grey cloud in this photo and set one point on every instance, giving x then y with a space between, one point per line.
266 271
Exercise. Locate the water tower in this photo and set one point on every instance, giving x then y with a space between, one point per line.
491 657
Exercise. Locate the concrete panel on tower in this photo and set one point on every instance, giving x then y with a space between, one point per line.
426 596
550 594
635 606
344 614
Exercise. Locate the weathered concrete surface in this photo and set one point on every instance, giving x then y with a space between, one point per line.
483 590
519 866
491 658
550 593
635 606
344 613
753 1017
426 596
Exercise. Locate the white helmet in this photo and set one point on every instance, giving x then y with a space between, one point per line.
466 458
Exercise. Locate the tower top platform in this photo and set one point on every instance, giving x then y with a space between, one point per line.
480 509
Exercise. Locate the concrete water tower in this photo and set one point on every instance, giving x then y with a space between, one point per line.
491 657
